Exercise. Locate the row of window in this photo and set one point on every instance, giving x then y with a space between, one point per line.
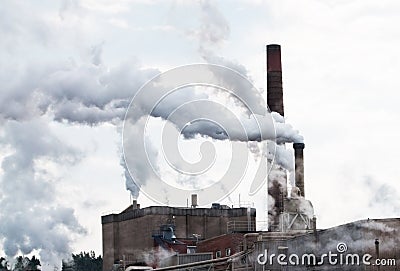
218 253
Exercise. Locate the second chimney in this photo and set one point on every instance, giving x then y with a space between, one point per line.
299 166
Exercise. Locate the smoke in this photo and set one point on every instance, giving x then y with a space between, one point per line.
215 120
142 171
223 125
73 92
30 217
157 256
282 156
213 29
195 113
383 198
377 226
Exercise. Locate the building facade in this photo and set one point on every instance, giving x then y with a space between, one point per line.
129 235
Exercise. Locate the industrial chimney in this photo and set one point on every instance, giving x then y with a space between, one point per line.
299 166
276 189
274 79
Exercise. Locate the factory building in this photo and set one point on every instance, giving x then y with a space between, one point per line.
222 238
132 234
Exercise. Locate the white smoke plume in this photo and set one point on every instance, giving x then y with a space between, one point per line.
30 217
280 155
382 197
214 29
157 257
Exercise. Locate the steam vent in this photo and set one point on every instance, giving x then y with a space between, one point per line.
222 237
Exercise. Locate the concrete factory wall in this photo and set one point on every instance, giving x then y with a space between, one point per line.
129 234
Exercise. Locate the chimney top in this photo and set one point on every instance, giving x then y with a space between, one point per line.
274 63
298 145
273 46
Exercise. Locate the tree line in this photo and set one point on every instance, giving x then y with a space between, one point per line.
83 261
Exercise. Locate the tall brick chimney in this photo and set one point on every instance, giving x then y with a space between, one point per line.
274 79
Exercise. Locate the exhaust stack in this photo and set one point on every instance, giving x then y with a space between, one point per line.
274 79
277 189
299 166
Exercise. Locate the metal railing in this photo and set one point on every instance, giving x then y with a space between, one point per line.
240 226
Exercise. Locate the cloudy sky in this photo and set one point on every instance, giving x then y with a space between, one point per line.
68 70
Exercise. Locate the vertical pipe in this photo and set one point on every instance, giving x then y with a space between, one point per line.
299 166
315 231
248 219
377 251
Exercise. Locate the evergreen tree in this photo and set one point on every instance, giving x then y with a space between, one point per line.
21 264
33 263
84 261
4 264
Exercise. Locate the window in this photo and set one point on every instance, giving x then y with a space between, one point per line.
218 254
228 251
191 249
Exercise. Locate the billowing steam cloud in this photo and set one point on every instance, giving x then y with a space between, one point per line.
32 218
183 107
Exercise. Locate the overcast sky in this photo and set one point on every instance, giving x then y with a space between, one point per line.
69 68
